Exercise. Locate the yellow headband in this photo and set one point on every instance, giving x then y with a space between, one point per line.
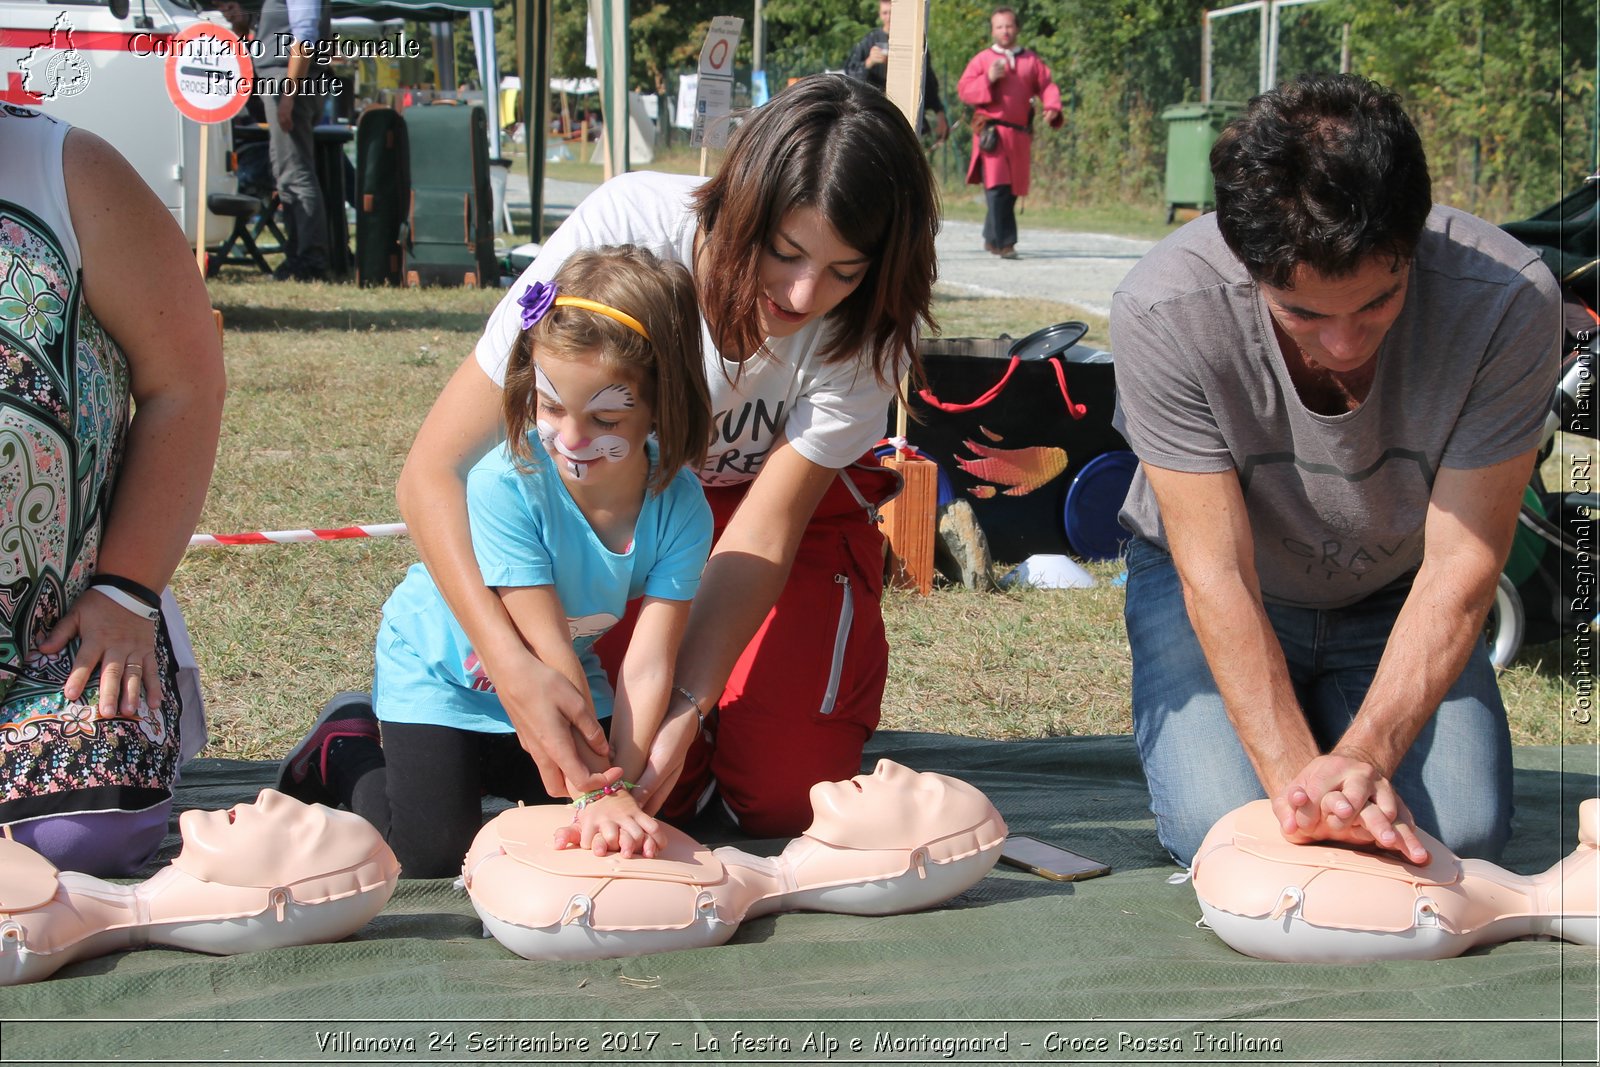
604 309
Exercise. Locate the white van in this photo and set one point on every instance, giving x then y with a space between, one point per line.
86 65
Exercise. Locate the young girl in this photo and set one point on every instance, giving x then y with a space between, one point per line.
585 508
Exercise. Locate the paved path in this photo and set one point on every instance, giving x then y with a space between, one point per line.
1059 265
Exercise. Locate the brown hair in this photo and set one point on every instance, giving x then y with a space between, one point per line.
668 368
837 145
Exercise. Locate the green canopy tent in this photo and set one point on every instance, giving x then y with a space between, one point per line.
533 63
481 14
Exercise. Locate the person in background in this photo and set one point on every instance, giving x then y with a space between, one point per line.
251 139
1001 83
289 31
869 62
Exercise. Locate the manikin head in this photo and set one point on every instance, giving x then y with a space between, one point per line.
272 841
256 876
895 807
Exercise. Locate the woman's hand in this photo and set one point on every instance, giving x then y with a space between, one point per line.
552 720
122 643
668 751
613 824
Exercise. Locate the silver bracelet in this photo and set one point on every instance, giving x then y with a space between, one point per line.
127 601
693 700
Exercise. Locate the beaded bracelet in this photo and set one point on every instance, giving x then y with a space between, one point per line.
579 803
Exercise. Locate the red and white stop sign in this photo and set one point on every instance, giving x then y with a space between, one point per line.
209 73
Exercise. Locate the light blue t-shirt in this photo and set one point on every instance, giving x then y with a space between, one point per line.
528 531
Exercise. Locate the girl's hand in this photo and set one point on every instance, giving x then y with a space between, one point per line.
120 642
613 824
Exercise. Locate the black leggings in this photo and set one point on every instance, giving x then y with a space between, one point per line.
424 789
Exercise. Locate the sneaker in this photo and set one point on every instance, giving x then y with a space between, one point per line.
303 774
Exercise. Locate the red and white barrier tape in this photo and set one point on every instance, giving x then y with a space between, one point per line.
295 537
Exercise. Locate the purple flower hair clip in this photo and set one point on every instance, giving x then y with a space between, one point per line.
536 302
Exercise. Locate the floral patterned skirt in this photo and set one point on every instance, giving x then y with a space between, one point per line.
64 757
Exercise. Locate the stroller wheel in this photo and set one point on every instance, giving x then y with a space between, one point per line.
1505 625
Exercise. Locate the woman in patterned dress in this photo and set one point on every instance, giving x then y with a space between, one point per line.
102 312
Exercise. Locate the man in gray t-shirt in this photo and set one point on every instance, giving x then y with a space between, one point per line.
1335 391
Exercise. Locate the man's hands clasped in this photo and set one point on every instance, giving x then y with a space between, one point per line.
1343 797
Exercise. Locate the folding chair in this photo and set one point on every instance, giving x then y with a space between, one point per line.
244 210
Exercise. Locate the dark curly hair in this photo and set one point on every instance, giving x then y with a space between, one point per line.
1323 172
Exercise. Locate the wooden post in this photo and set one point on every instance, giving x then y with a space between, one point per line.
200 204
910 520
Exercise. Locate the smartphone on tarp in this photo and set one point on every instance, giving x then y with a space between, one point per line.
1049 861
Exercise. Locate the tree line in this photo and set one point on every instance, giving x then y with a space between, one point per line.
1503 91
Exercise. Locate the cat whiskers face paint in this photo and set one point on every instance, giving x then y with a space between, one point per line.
576 435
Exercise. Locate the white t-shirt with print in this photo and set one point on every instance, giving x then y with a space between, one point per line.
830 413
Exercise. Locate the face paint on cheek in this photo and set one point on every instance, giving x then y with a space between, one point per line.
610 447
549 438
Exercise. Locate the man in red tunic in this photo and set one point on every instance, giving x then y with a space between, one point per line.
1000 83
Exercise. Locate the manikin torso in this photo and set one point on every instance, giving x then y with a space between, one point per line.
892 841
1269 898
268 874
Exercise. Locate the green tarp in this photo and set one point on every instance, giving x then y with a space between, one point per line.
1017 969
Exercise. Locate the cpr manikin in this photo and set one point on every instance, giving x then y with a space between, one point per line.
257 876
1270 898
892 841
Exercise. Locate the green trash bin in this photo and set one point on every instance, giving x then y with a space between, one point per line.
1191 131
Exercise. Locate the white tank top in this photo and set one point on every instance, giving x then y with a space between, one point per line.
31 175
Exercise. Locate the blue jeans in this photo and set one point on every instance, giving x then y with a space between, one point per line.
1456 778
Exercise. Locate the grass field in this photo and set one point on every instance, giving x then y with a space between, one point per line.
327 385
